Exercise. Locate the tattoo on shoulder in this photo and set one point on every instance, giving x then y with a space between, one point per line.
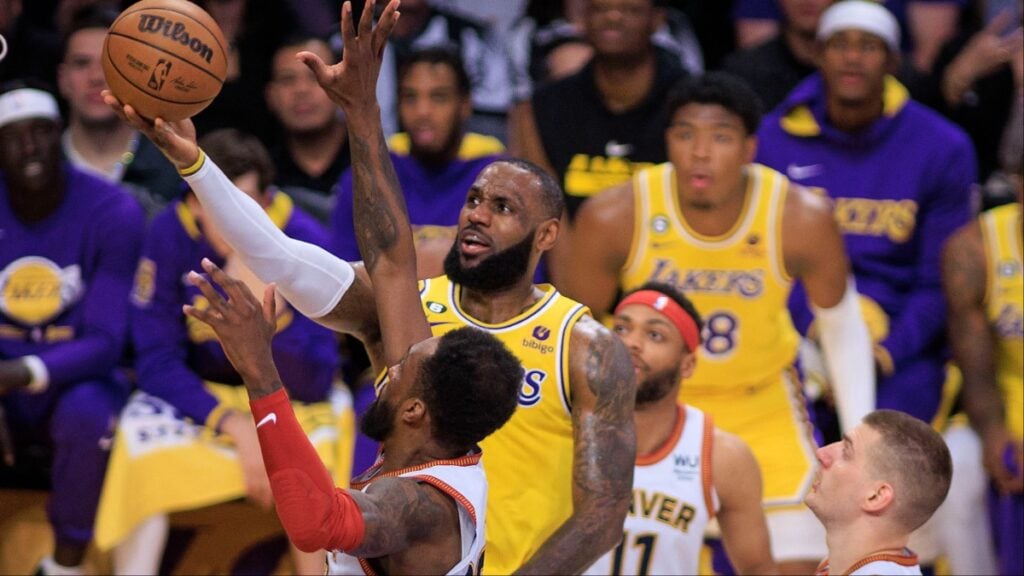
609 370
399 512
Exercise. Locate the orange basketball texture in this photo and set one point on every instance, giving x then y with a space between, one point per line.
167 58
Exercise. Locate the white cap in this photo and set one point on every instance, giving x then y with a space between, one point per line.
23 103
864 15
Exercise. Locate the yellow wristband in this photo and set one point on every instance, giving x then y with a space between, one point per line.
195 165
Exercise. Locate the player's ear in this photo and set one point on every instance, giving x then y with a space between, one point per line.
413 412
547 234
687 365
879 498
750 147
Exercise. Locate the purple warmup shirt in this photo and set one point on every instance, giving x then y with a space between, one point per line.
901 186
64 281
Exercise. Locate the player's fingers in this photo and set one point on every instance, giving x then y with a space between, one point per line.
110 100
236 290
216 301
206 316
387 22
316 65
348 33
270 303
366 19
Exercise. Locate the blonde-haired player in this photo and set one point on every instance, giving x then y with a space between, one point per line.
687 470
884 480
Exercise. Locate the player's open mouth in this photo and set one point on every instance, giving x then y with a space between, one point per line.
473 243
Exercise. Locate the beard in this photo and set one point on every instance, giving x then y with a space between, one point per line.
656 386
494 273
379 421
440 157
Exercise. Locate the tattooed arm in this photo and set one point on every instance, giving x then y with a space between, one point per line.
381 221
974 345
603 393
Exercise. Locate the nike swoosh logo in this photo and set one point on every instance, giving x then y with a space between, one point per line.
272 417
796 172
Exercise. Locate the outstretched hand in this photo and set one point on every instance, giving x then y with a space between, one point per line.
352 83
244 326
177 140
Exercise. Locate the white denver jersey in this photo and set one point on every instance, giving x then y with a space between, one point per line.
464 481
883 564
673 500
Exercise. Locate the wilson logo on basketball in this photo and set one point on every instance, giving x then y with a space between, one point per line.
153 24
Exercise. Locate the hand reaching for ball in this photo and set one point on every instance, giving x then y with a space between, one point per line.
177 140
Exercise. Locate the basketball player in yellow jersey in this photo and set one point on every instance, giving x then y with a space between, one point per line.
560 471
983 278
732 236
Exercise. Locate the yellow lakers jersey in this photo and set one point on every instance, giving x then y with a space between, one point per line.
1004 304
529 460
737 280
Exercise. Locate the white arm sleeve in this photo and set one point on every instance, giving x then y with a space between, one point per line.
847 347
310 278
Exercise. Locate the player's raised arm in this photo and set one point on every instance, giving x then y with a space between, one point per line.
604 451
388 518
380 217
310 278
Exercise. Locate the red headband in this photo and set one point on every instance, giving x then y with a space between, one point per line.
670 308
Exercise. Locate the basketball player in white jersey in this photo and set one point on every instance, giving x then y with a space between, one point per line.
421 507
687 470
880 483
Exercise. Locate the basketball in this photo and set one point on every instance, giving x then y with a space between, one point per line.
167 58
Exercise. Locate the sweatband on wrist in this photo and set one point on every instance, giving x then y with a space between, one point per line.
310 278
671 309
195 165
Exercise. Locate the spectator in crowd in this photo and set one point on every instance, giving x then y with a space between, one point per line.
661 328
95 139
983 274
186 440
68 244
925 25
595 128
253 30
735 236
901 179
775 66
880 483
981 80
312 151
424 25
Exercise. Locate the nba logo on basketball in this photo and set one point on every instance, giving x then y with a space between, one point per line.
159 75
